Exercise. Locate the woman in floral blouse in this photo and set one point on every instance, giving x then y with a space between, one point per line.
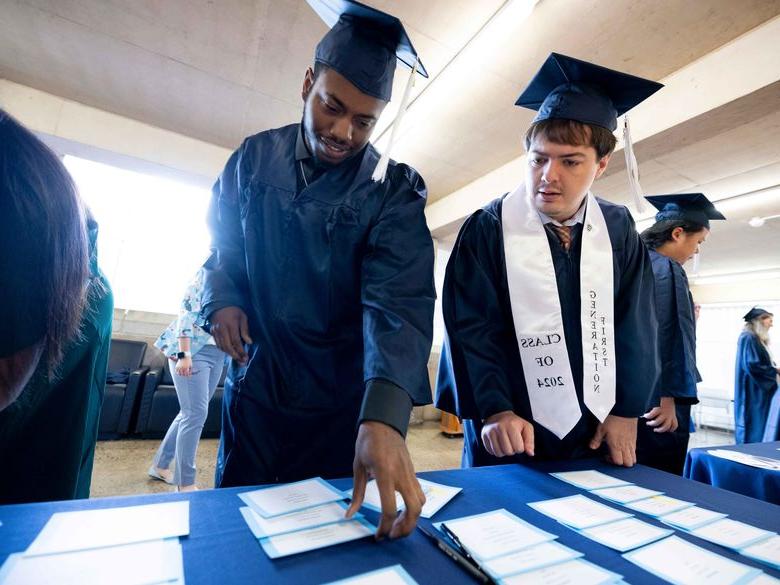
196 366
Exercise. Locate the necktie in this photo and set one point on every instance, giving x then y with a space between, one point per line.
564 234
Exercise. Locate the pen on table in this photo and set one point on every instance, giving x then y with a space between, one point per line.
459 558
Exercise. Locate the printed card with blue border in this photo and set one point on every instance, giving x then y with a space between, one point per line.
306 518
292 543
577 571
625 535
767 551
393 575
291 497
529 559
683 563
494 534
589 479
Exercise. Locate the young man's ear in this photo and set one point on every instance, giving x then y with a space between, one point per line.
602 166
308 83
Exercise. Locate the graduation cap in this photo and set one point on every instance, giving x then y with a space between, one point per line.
571 89
756 312
363 45
694 207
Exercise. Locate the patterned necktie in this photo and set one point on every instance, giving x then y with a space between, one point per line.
564 234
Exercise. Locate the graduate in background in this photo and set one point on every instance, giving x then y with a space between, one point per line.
320 285
681 226
548 293
755 377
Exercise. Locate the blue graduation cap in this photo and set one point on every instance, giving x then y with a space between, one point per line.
694 207
756 312
363 45
570 89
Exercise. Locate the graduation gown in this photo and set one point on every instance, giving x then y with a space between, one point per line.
679 375
336 279
755 382
481 372
47 437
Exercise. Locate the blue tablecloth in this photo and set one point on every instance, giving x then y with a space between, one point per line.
763 484
220 548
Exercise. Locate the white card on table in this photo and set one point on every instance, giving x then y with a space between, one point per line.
576 572
436 497
291 497
625 493
578 511
747 459
528 559
731 533
306 518
153 561
293 543
589 479
659 505
626 534
680 562
767 551
691 517
763 579
395 575
493 534
69 531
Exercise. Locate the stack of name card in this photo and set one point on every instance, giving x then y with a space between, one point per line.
513 551
302 516
134 545
436 497
393 575
691 563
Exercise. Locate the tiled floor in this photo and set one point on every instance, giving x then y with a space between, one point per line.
120 466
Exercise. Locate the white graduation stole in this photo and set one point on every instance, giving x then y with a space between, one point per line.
536 310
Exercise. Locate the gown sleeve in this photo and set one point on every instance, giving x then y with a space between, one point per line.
397 290
636 331
475 367
225 280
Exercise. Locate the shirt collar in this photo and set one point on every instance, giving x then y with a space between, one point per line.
578 217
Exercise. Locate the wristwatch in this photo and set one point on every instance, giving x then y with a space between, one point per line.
183 354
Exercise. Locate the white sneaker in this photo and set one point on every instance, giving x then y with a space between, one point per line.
166 477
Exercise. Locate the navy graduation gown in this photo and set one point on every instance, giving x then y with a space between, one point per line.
755 382
679 375
337 282
480 371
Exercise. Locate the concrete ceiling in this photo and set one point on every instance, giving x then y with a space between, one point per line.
219 70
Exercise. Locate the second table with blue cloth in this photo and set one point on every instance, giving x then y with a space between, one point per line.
763 484
220 547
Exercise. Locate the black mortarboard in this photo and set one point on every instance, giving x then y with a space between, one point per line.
694 207
363 45
756 312
571 89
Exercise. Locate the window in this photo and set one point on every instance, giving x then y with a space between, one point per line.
153 234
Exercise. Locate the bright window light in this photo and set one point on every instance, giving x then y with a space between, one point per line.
153 234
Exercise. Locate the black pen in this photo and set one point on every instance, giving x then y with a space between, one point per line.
464 562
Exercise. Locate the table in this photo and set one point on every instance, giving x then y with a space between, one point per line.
762 484
221 549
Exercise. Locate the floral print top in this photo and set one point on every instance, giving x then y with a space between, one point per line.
184 325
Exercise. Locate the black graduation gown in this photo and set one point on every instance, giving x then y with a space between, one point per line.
481 372
679 375
755 382
337 283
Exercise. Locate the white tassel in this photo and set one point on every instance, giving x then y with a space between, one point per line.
381 167
632 168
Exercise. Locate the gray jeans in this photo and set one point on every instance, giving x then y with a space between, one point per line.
194 393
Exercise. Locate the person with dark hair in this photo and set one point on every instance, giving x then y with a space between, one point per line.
320 284
548 297
56 309
681 227
755 377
